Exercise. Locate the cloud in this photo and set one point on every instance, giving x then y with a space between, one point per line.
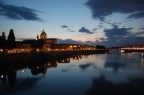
72 31
103 85
94 29
85 66
137 15
120 36
121 42
115 65
84 30
22 85
103 8
133 40
18 12
64 26
141 29
69 41
139 33
1 1
117 33
67 27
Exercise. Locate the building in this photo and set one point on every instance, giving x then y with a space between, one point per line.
86 47
65 47
133 47
45 44
43 37
41 43
21 47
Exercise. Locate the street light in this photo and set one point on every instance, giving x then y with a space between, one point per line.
1 50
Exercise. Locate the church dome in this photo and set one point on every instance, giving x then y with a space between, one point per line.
43 35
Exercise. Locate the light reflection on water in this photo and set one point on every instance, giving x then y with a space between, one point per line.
80 75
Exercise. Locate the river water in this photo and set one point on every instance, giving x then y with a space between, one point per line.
101 74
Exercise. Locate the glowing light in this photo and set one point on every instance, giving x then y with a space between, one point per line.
2 76
75 46
1 50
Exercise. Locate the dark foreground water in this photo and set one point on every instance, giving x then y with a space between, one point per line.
102 74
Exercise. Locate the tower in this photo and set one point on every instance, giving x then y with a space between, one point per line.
43 35
37 37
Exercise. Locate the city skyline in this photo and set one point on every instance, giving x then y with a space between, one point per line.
109 23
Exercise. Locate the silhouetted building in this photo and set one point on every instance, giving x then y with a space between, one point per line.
41 43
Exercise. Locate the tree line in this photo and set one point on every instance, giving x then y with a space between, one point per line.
8 43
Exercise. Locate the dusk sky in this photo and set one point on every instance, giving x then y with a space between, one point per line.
92 22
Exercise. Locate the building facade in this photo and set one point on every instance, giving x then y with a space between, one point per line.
44 44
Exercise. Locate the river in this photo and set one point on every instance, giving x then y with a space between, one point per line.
97 74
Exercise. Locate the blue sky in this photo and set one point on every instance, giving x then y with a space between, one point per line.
105 22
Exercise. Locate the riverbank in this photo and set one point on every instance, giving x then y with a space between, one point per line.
44 56
23 60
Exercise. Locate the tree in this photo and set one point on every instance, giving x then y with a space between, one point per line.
3 35
100 47
3 42
11 39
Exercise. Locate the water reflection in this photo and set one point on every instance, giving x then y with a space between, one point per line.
115 65
101 74
9 72
85 66
101 86
34 68
41 68
11 76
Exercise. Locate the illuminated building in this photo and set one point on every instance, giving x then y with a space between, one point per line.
43 35
65 47
44 44
133 47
